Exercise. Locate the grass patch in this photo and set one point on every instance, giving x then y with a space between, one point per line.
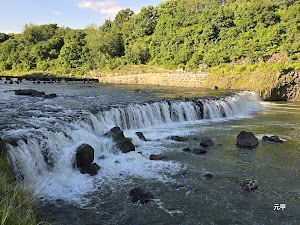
16 203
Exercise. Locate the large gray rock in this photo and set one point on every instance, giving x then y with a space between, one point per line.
115 133
84 155
90 169
246 139
123 143
138 194
206 142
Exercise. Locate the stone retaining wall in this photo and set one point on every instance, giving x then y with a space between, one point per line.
183 79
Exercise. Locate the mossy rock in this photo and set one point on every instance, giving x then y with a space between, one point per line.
123 143
90 169
84 155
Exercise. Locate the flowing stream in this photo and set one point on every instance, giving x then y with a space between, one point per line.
45 133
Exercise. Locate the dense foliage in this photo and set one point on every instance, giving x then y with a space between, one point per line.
177 33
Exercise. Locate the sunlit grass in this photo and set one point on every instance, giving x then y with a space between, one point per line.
16 203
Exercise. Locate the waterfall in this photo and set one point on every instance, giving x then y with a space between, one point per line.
151 114
44 159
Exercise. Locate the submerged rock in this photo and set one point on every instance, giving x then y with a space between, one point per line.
138 194
273 138
177 138
187 149
34 93
206 142
30 92
208 176
198 151
102 157
123 143
90 169
115 133
248 184
51 96
156 157
246 139
141 136
84 155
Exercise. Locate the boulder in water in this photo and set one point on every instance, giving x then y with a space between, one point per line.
138 194
30 92
123 143
246 139
248 184
273 138
90 169
115 133
141 136
156 157
177 138
53 95
84 155
208 176
199 151
187 149
206 142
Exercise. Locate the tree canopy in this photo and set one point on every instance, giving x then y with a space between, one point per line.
176 33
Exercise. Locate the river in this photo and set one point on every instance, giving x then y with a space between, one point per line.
82 113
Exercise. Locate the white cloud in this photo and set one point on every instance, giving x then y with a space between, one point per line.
107 7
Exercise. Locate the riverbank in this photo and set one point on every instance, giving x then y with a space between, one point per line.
17 204
276 78
274 81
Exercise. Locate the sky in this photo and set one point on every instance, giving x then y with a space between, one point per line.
76 14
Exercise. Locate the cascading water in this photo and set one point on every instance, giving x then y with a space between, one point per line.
44 158
151 114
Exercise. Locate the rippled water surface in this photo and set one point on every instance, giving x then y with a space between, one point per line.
182 195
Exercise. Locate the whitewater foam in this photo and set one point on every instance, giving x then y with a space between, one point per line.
44 161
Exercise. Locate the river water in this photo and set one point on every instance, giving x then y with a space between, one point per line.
44 135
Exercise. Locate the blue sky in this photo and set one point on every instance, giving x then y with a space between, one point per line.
14 14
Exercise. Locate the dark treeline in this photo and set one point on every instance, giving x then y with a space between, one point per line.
177 33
